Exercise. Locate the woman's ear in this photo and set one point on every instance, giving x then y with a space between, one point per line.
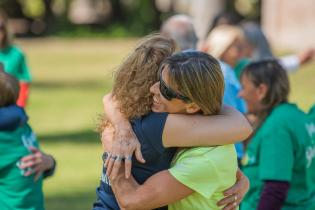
262 91
204 47
192 108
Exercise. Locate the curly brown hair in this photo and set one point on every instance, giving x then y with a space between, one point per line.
138 72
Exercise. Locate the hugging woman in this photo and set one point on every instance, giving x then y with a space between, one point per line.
192 86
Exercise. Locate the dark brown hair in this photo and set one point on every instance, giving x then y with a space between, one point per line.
198 76
272 74
9 88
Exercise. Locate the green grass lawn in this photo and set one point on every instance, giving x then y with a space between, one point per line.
70 78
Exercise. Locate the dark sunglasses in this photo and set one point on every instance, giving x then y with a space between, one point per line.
168 93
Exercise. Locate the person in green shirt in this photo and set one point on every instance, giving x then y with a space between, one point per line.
279 160
21 162
13 60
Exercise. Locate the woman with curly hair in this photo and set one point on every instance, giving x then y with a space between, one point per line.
180 130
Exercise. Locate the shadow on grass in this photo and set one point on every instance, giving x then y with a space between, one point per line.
86 84
80 137
77 201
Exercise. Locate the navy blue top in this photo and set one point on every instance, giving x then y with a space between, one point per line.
149 130
12 117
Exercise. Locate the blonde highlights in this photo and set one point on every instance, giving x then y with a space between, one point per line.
198 76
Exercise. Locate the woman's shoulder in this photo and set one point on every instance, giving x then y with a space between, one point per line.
151 118
14 49
285 117
285 113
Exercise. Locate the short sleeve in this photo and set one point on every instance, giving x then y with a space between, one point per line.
24 72
198 173
11 117
152 127
276 156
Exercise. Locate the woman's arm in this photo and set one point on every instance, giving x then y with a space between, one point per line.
228 127
162 189
181 130
159 190
124 143
273 195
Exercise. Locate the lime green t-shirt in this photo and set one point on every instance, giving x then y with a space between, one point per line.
206 170
283 149
17 191
14 63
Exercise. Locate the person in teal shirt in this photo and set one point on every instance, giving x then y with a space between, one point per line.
13 60
22 165
279 160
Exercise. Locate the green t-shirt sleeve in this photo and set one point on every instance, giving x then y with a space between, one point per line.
24 72
198 173
276 156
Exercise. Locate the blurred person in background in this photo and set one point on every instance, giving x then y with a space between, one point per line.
279 158
256 46
180 28
225 43
22 164
14 60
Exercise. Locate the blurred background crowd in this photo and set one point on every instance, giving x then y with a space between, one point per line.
63 54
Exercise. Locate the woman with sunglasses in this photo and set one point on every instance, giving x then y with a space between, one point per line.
178 130
13 60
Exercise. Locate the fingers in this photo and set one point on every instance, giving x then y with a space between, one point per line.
227 200
230 202
231 206
232 190
28 158
127 167
33 149
28 172
138 154
116 167
30 163
110 164
107 159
